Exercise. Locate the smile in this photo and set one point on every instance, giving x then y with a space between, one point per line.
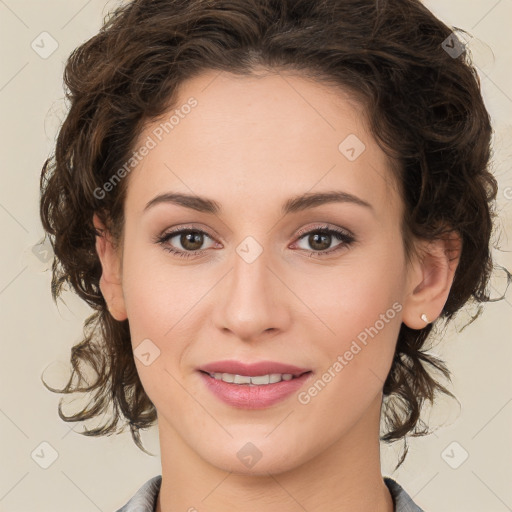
253 391
257 380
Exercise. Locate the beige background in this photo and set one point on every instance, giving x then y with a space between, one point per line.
91 474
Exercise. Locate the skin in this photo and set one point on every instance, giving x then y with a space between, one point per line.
250 144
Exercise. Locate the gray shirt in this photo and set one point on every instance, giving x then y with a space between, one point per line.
145 498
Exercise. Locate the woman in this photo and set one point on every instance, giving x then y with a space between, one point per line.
269 204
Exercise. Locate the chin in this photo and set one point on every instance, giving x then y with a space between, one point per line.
273 465
255 458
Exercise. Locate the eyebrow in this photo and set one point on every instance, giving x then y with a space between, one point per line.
292 205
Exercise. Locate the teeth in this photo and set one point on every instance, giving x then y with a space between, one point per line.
257 380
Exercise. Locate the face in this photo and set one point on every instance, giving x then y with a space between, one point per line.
318 284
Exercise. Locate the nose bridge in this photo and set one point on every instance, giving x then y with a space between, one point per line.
253 301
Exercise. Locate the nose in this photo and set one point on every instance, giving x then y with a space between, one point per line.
254 299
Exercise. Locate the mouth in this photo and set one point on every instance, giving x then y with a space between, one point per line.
254 380
253 386
257 369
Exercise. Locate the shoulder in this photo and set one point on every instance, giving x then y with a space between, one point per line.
403 502
144 500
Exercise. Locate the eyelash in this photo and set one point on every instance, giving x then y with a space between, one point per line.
341 235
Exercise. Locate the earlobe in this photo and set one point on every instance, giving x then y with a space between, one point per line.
430 278
110 280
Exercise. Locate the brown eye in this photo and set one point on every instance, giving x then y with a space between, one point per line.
319 241
185 242
191 240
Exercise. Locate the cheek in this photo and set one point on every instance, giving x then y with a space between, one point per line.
364 319
355 295
161 302
158 299
157 294
361 313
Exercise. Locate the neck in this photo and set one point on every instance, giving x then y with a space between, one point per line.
345 477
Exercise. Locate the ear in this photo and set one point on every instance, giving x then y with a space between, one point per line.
110 281
430 277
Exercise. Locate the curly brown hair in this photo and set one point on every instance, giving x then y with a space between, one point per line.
425 110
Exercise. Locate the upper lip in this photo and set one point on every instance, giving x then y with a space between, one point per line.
252 369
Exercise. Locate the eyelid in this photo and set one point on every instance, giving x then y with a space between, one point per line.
346 240
184 227
326 226
322 225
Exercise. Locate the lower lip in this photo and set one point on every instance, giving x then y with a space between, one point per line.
245 396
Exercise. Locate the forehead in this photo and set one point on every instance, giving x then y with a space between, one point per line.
261 138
